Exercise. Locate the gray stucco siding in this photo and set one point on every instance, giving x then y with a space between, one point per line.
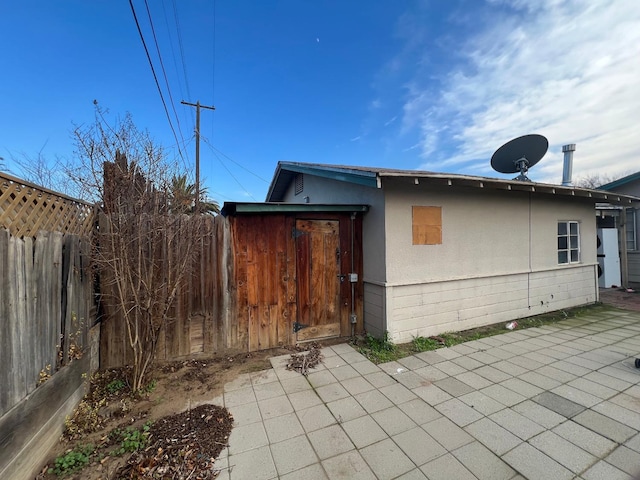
322 190
374 309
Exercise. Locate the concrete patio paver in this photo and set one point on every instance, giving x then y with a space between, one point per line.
559 401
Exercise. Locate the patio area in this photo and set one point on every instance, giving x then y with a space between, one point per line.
556 402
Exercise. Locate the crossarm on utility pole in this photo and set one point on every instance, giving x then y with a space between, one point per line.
198 107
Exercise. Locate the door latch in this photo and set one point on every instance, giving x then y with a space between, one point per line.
341 277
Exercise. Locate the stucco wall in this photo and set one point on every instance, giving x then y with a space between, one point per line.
321 190
374 309
484 233
497 260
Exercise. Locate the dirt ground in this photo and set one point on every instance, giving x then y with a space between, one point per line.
175 445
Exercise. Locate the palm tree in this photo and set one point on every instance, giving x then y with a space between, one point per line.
183 196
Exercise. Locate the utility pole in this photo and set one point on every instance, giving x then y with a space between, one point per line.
198 107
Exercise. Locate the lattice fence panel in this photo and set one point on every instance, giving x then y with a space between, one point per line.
26 208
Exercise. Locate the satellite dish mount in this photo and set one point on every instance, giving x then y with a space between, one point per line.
520 154
522 164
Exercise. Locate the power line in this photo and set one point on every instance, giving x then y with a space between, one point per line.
175 61
213 66
155 77
184 64
232 160
229 171
164 73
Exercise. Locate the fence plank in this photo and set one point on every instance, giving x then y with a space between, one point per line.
30 322
6 357
16 317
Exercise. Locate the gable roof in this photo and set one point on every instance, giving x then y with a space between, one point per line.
620 182
372 177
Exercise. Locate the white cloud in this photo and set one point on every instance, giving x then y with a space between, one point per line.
569 70
390 121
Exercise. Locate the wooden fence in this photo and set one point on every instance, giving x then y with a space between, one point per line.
193 326
45 306
46 311
242 291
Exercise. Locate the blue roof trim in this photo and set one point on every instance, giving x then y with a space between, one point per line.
368 179
620 181
285 174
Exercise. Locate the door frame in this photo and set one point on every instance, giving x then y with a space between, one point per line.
350 233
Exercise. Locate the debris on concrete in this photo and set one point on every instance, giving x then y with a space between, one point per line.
303 361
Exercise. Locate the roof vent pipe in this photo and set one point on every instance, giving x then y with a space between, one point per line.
568 164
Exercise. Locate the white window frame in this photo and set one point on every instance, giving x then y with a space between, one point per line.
568 244
630 226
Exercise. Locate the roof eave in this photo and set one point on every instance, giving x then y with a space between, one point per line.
620 181
357 177
248 208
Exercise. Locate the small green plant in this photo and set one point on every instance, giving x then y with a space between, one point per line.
131 439
423 344
73 460
379 350
150 387
114 386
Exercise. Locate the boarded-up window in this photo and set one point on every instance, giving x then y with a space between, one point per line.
427 225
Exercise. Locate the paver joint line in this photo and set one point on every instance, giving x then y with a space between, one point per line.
552 402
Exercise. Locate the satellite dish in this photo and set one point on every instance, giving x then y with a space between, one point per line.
520 154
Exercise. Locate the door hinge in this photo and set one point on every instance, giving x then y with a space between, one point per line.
298 326
295 233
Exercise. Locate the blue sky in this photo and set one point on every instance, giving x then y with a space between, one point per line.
429 85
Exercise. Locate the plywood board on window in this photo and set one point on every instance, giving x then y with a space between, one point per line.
427 225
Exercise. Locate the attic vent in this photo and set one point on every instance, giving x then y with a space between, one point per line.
299 183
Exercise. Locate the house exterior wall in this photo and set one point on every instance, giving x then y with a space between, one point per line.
432 308
633 262
322 190
633 256
497 260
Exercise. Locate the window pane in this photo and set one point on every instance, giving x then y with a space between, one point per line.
574 255
562 257
573 228
562 243
562 228
631 229
574 242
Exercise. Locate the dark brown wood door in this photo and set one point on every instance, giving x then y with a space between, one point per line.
318 275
